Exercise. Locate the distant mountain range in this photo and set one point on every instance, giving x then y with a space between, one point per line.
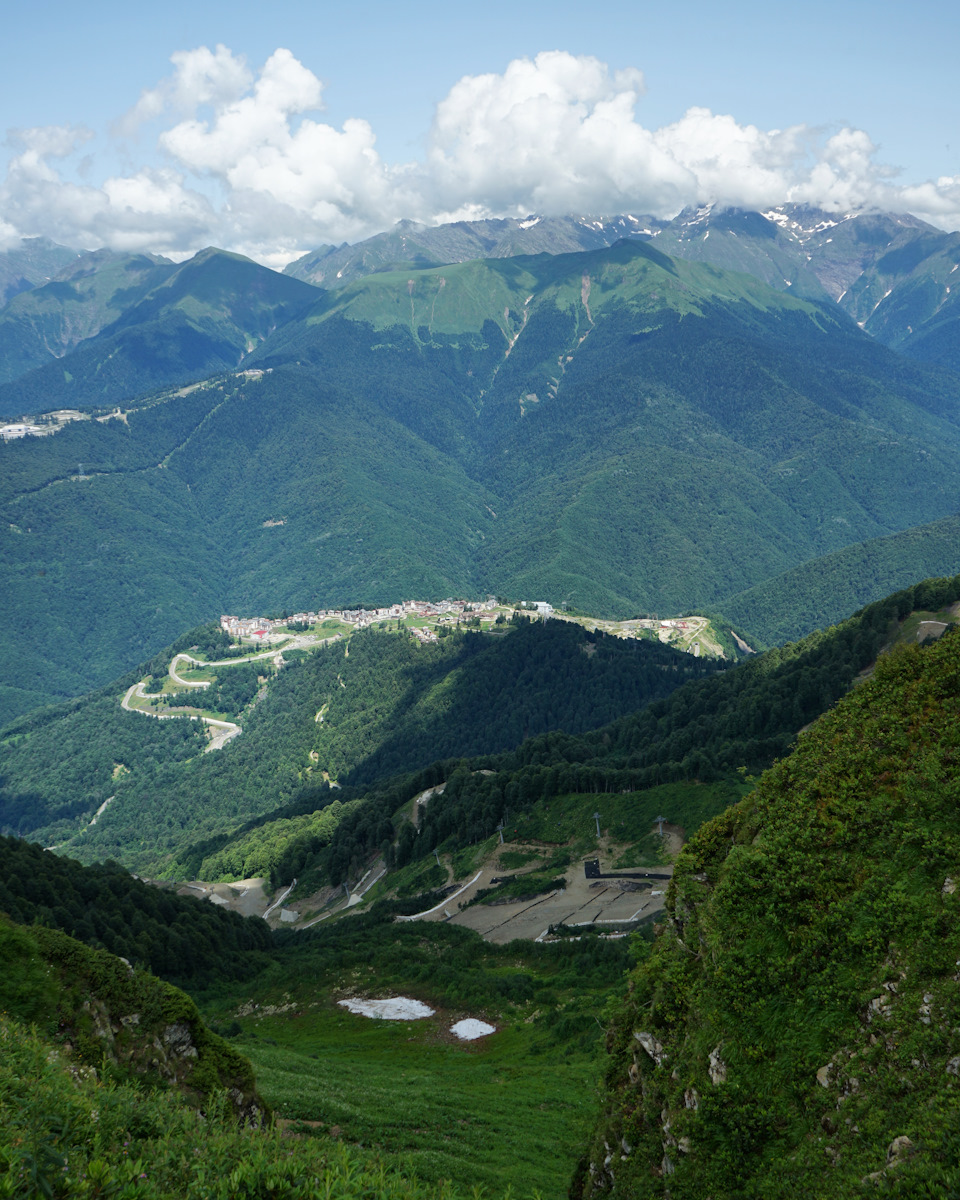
112 327
33 262
615 430
892 273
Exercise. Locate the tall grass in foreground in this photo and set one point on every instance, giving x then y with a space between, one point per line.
66 1134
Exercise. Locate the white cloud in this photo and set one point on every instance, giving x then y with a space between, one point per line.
250 165
555 134
200 77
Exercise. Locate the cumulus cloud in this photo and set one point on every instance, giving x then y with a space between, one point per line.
247 162
555 134
200 77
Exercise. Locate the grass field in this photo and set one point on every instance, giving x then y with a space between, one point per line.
511 1110
492 1113
626 818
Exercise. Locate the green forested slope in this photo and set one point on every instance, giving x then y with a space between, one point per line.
737 721
827 589
388 705
615 429
42 325
135 324
181 939
29 264
793 1031
124 1023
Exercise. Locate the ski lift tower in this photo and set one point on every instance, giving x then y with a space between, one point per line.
660 821
501 827
596 817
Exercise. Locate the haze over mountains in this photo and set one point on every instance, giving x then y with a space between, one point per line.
890 272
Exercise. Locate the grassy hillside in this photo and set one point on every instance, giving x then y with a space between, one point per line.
793 1030
116 1022
110 1084
415 246
907 301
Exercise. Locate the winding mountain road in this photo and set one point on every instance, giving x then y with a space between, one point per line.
223 731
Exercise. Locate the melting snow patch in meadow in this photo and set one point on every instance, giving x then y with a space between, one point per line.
394 1008
471 1029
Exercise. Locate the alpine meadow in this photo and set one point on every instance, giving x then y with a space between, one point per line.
480 668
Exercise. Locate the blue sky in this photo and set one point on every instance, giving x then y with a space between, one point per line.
881 70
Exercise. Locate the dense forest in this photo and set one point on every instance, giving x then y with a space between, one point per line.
683 436
793 1031
737 720
767 888
353 712
184 940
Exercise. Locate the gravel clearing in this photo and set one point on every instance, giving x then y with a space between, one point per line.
393 1008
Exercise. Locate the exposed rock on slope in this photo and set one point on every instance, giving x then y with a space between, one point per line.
795 1030
103 1014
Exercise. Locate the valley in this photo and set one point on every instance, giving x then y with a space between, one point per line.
379 441
651 788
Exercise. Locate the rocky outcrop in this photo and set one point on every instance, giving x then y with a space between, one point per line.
107 1014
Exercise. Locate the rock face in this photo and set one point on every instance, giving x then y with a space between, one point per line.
800 1012
109 1014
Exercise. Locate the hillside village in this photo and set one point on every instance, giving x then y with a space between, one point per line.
424 618
266 629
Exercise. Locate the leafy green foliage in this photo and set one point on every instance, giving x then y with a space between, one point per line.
388 704
827 589
66 1135
812 952
737 720
477 1113
119 1021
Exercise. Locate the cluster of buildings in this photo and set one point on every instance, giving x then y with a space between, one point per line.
359 618
42 426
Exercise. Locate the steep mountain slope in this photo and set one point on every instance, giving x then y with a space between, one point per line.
101 1013
386 705
181 324
826 589
410 244
617 430
770 246
891 272
620 383
909 299
43 325
708 731
794 1030
887 270
178 938
30 263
